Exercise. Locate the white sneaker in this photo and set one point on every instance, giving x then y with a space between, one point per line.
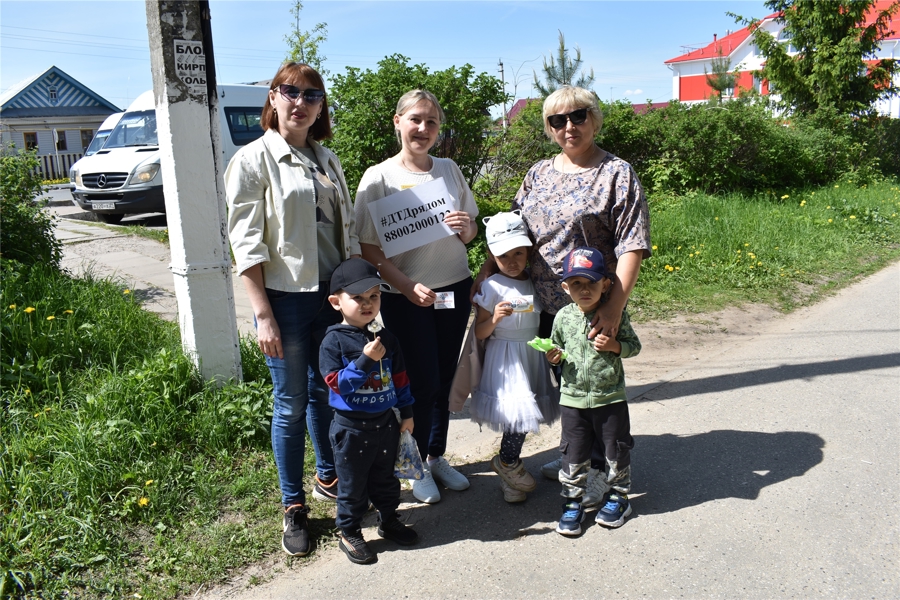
425 490
551 469
447 475
511 494
595 489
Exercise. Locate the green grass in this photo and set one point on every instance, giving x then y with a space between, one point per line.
123 473
784 248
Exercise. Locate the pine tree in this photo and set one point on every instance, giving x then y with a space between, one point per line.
563 70
720 79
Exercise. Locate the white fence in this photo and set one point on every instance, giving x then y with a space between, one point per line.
51 168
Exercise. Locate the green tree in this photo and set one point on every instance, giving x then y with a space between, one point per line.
26 232
720 79
364 104
563 70
832 44
304 45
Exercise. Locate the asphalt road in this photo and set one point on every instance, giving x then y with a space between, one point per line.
771 470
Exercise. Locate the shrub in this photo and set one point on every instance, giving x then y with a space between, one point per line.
26 232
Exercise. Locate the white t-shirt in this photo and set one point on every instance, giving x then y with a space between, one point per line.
440 263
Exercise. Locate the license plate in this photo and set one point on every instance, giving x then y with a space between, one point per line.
103 205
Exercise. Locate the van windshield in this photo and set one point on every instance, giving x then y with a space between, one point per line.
97 142
135 129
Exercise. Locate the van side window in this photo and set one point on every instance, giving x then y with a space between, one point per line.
243 124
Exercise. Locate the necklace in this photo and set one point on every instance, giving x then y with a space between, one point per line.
415 168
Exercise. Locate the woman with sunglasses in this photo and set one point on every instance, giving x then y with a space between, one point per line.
583 196
291 223
431 335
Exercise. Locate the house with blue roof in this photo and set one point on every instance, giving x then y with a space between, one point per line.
55 114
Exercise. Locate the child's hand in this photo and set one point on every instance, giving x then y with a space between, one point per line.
501 311
374 349
554 355
406 425
604 343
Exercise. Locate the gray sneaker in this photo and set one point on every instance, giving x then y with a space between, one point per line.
551 469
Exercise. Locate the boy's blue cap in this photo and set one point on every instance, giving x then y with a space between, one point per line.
585 262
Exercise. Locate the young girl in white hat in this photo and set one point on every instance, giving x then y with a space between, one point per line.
516 392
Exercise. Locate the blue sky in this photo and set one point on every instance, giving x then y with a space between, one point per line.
103 44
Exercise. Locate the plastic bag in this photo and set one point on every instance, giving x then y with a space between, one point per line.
409 462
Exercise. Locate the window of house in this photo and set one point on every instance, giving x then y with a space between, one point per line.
30 140
51 91
61 140
86 136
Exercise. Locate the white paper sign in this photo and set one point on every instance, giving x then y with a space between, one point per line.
190 65
412 218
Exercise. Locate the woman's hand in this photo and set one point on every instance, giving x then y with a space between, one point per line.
606 321
419 295
458 221
268 335
488 268
501 311
462 225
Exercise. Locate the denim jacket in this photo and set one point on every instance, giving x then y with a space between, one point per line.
589 378
272 212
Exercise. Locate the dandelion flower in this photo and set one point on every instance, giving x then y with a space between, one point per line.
785 197
27 391
852 216
677 268
717 218
803 203
669 268
758 263
12 307
654 247
30 309
68 312
126 291
830 220
144 501
837 186
50 318
745 245
678 248
148 482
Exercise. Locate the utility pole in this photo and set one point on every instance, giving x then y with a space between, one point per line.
184 84
503 81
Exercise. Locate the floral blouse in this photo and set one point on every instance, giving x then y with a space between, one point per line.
603 207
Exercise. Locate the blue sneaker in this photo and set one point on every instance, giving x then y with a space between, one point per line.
615 507
570 523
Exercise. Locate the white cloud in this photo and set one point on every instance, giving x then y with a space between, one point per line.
634 92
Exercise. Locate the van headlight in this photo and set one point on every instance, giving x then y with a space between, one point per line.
75 177
145 174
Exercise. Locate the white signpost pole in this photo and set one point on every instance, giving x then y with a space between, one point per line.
191 164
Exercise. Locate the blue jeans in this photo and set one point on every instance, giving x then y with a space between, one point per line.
302 318
431 340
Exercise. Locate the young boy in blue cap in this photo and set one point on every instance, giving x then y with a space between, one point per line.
366 376
592 395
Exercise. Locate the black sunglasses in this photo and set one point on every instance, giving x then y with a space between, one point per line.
292 92
576 116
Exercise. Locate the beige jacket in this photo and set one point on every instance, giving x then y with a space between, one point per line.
272 212
468 370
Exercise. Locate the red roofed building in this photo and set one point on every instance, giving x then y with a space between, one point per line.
689 70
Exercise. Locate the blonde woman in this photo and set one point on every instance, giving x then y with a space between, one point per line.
430 337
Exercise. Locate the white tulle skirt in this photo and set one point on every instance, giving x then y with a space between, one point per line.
516 392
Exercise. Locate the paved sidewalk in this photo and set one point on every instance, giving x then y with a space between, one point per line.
107 251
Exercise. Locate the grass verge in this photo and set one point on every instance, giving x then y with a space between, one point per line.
783 249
